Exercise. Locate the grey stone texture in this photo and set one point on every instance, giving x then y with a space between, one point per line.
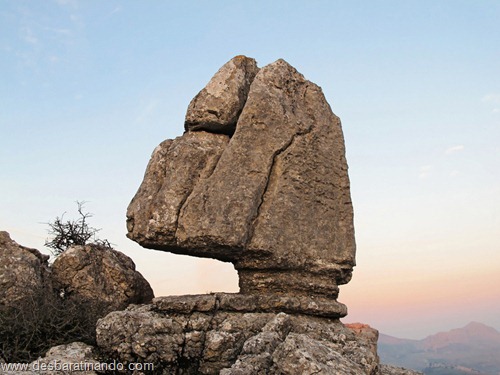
271 195
23 271
218 105
200 335
58 359
273 198
101 275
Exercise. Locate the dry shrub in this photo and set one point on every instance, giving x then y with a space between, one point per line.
32 325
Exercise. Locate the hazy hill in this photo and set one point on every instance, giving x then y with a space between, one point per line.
473 349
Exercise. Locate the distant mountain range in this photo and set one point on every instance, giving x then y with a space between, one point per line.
471 350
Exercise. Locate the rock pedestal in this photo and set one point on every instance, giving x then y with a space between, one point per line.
272 198
210 334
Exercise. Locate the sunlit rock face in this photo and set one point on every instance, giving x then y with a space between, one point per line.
271 195
217 107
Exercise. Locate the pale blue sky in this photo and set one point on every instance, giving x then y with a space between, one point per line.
89 88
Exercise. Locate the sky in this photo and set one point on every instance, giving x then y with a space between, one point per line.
90 88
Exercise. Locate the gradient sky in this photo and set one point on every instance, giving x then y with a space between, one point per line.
89 88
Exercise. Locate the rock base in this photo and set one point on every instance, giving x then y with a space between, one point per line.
236 334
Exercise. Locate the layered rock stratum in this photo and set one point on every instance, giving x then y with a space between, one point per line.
208 334
258 179
273 198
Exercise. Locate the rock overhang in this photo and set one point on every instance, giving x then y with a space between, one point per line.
271 196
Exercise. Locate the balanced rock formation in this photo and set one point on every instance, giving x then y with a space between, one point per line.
100 275
23 271
273 198
217 107
258 179
210 334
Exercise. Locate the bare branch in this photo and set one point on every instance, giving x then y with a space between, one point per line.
65 234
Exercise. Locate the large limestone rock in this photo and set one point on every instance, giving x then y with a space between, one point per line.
23 271
100 275
271 195
216 108
273 199
175 168
207 335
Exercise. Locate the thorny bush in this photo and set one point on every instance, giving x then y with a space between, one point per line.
65 234
32 325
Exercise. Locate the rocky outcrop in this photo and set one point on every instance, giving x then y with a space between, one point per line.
395 370
175 168
273 198
42 305
73 358
210 334
258 179
100 275
271 195
365 333
23 271
207 334
217 107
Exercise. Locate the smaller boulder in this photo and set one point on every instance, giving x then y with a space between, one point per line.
76 357
365 333
100 275
22 270
217 106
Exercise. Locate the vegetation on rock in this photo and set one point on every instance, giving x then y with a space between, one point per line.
65 234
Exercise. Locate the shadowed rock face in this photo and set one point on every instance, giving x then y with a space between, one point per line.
206 334
23 271
216 108
273 198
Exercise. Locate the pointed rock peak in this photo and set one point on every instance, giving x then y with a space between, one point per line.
282 63
280 74
217 107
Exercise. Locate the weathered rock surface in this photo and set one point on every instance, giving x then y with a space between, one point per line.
100 274
63 359
395 370
202 334
175 168
217 107
23 271
274 199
